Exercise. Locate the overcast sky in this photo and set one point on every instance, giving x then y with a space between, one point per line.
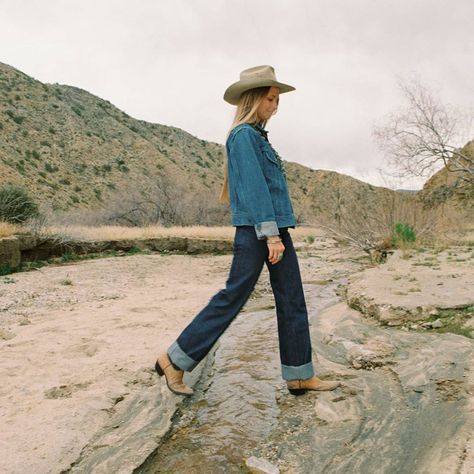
170 61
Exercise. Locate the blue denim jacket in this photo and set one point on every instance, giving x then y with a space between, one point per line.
258 189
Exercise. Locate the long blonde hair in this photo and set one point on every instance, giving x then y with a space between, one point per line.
246 113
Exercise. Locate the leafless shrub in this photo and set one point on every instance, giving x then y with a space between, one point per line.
369 225
165 202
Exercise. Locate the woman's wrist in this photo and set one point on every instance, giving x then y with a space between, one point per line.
273 239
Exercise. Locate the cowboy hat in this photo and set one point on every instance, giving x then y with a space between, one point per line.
251 78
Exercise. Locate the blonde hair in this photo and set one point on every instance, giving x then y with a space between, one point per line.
246 113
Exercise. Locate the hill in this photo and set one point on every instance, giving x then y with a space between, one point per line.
77 152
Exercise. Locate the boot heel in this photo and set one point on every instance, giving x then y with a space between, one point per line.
297 391
158 369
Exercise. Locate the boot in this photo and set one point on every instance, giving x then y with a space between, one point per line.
299 386
174 378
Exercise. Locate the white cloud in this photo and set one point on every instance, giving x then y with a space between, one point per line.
170 61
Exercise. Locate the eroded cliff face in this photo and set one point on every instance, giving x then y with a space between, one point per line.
445 188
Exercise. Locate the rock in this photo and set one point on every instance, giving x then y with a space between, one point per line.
375 353
26 241
10 251
437 324
261 466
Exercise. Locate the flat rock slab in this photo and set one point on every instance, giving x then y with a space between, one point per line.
413 287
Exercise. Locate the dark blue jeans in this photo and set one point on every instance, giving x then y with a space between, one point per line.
250 253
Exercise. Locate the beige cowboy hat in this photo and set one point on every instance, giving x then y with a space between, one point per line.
251 78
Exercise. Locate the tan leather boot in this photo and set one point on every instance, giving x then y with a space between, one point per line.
299 386
174 378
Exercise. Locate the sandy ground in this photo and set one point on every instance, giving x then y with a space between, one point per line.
78 343
72 352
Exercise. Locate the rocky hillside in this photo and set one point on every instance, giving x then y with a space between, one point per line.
73 150
445 187
70 148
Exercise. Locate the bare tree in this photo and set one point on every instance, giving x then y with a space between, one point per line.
423 137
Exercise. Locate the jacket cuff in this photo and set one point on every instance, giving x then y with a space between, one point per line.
265 229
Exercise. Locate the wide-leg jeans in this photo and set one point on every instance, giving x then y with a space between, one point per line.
250 253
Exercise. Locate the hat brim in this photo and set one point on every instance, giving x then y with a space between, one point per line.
235 90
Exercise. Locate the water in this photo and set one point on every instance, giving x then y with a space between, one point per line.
414 414
236 408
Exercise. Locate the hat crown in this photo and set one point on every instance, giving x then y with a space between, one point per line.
261 72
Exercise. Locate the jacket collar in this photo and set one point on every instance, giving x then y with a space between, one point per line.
262 131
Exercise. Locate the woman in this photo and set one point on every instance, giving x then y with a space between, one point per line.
255 185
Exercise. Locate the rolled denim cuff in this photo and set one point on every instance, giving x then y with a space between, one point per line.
179 358
305 371
265 229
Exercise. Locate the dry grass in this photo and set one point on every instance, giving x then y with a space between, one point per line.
7 229
459 233
104 233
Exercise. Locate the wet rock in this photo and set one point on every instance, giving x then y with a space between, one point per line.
375 353
260 466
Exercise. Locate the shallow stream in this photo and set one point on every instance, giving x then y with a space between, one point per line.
410 413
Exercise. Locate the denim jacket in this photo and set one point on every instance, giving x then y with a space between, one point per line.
258 188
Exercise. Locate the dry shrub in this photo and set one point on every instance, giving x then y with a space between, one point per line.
370 225
111 232
7 229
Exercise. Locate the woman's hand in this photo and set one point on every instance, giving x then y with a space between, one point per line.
275 249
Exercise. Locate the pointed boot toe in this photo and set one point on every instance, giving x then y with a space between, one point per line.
300 386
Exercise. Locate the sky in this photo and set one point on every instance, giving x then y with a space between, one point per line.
170 61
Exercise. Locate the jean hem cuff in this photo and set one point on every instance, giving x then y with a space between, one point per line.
180 358
292 372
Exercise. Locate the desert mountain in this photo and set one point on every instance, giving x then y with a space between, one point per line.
74 151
